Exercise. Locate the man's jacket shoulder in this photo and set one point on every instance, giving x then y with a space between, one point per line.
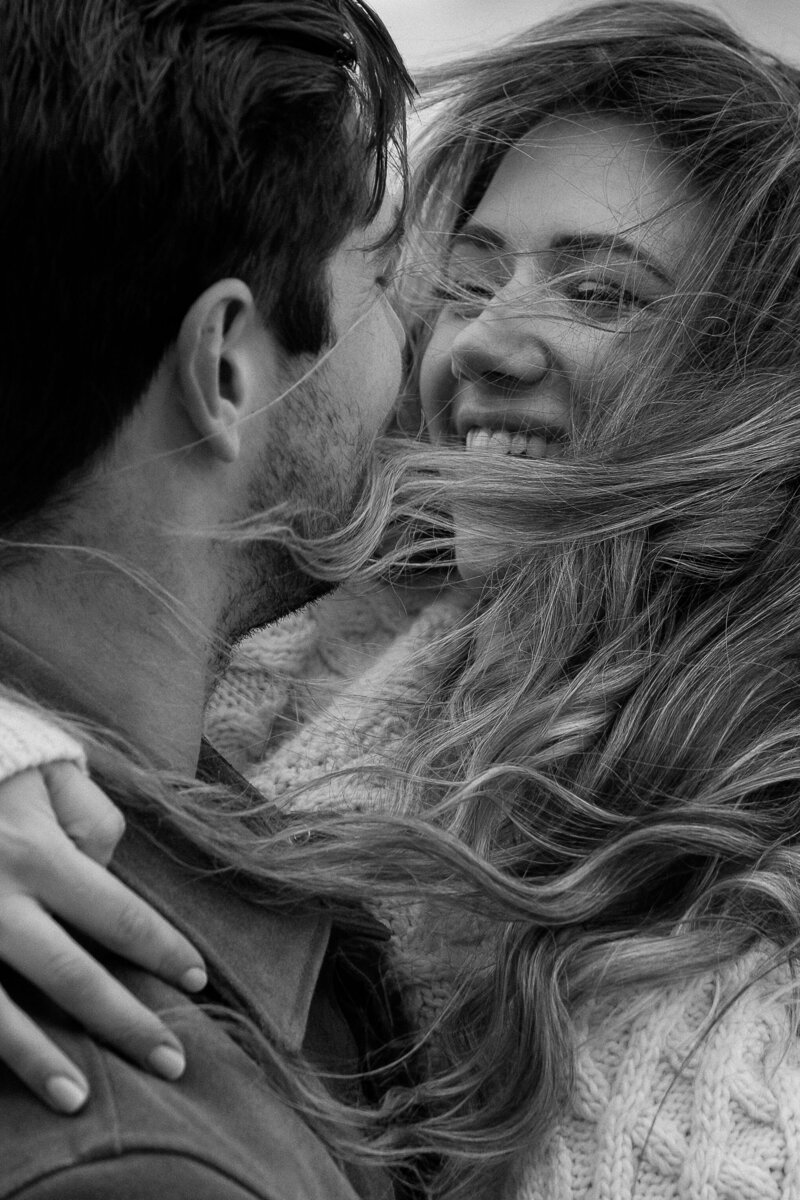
222 1131
225 1129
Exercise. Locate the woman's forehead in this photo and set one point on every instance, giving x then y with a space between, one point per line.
591 177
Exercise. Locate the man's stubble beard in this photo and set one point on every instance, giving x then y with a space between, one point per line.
321 475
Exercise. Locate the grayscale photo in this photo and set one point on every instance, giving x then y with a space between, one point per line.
400 600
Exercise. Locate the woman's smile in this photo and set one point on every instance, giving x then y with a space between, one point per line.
580 234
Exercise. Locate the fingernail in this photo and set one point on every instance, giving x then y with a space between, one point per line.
194 980
168 1062
67 1095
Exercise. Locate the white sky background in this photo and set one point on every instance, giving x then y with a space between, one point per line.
428 31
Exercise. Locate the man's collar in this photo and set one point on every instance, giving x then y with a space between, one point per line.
261 963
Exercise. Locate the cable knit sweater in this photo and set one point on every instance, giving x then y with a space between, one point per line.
679 1095
670 1105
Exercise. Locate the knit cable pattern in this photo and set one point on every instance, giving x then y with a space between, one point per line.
678 1097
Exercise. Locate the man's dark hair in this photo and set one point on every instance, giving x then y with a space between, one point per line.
147 149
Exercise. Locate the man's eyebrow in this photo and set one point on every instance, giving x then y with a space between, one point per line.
584 244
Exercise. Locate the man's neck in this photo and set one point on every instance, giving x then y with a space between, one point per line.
86 638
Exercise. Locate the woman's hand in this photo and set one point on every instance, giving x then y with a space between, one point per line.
58 831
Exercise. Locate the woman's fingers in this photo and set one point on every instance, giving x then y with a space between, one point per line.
84 811
85 896
39 1063
64 971
42 868
39 860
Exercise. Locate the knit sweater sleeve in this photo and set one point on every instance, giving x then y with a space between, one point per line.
28 739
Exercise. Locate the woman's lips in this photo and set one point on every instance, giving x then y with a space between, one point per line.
530 430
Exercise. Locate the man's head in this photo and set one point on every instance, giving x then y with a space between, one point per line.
150 149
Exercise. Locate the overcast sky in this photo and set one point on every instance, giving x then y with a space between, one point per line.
429 30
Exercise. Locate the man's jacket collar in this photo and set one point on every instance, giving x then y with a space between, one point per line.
262 963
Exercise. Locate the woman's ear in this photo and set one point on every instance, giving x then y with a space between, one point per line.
213 345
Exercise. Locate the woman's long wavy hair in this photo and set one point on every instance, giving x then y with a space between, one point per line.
610 762
617 728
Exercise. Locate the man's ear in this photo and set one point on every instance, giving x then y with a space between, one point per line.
213 348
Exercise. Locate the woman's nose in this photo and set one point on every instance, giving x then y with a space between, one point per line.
510 344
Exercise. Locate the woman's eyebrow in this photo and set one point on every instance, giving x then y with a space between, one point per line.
484 237
584 244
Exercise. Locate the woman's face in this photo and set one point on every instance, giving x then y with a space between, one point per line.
580 232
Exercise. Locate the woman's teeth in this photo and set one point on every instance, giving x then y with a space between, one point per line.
499 441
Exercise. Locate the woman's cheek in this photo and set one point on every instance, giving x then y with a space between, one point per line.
436 383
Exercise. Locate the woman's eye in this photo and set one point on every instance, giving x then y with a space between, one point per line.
466 295
603 299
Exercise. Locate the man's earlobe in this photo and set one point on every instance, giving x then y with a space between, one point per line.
212 368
